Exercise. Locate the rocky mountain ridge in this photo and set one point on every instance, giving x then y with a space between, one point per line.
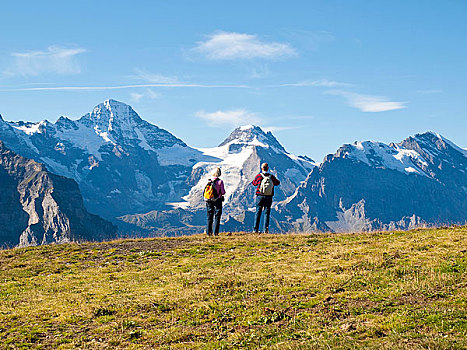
239 158
38 207
150 182
128 167
122 163
371 186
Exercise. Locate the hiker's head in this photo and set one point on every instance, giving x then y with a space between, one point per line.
217 172
265 166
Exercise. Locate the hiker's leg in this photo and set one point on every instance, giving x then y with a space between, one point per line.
267 212
259 210
210 211
217 216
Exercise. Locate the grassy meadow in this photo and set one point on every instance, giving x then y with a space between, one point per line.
383 290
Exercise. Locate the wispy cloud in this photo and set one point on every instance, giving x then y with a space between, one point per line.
136 97
147 93
280 128
156 78
56 59
34 87
231 46
231 118
317 83
130 86
153 95
239 117
368 103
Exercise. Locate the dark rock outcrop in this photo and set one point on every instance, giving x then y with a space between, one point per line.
372 186
38 207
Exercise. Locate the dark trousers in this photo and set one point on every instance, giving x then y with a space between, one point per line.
263 202
214 209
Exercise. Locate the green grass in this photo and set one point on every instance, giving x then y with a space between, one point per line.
390 290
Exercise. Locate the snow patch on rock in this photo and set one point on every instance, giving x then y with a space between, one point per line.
380 155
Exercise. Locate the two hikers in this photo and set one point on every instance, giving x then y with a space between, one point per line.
214 196
264 183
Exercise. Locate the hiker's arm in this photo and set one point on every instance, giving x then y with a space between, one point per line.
222 189
275 181
257 180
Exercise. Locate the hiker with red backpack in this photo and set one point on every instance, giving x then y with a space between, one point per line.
214 196
264 183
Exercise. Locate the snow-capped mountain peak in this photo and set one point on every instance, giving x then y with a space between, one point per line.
112 115
251 135
113 154
371 185
116 123
381 155
239 158
411 156
436 142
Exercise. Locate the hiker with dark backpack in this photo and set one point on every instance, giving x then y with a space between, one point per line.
264 183
214 196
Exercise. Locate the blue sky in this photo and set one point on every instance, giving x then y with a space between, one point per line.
316 73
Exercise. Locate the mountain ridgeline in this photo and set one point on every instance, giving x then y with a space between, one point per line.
38 207
372 186
149 182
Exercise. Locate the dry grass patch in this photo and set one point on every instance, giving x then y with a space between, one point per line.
394 290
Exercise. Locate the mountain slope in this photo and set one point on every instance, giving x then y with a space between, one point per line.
241 155
370 185
150 182
239 158
37 207
128 168
122 163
